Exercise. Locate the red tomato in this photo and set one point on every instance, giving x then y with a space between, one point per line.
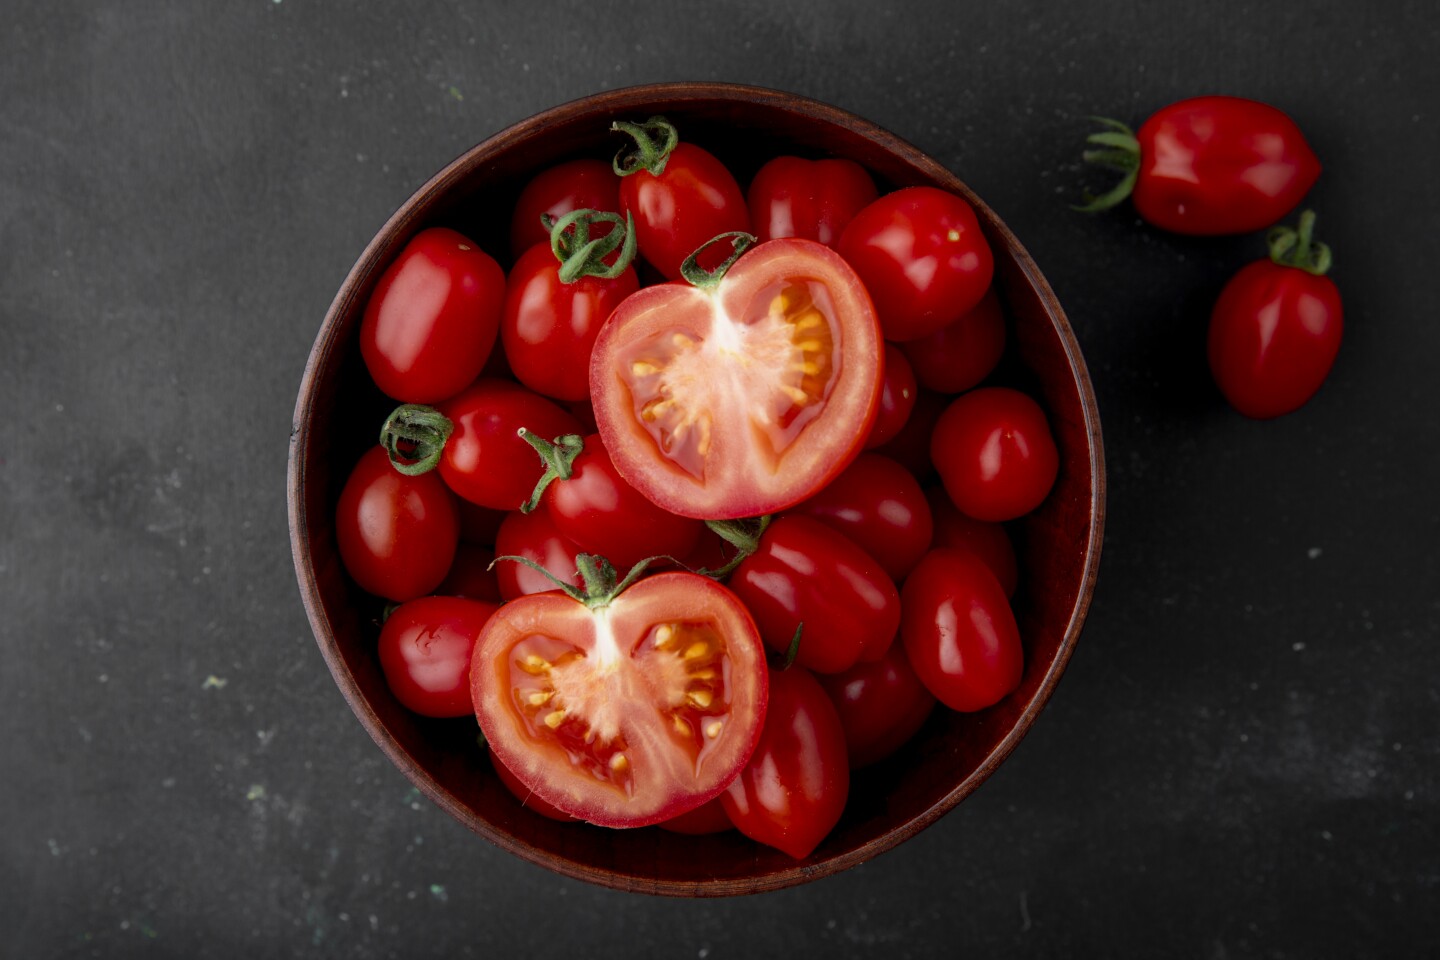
680 196
958 356
793 791
430 325
807 573
959 631
484 460
629 712
471 575
995 454
1208 165
911 446
548 327
809 199
897 398
577 185
881 705
986 540
534 537
1275 331
709 817
878 505
425 648
923 258
396 534
745 397
524 794
478 524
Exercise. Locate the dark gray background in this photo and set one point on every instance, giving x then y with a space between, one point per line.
1241 760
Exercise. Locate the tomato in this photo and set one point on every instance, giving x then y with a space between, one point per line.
911 446
1276 327
478 524
709 817
986 540
745 396
922 256
549 324
960 355
532 536
793 791
623 710
804 572
878 505
881 704
585 184
809 199
995 454
471 575
396 534
1208 165
524 794
430 325
425 647
959 631
897 398
680 195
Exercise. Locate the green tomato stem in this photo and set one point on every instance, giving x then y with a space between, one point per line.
1297 246
1121 153
698 276
579 255
414 436
654 141
557 456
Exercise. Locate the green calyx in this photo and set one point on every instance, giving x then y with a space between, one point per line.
558 456
1297 246
582 256
1119 150
743 535
601 582
414 436
654 141
698 276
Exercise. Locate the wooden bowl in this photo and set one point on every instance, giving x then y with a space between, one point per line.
337 417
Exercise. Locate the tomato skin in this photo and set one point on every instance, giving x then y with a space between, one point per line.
805 572
881 704
959 632
897 398
485 461
478 524
629 713
425 647
985 539
597 510
533 536
585 184
471 575
810 199
709 817
692 201
922 256
878 505
995 453
396 534
524 794
1274 334
1221 165
430 325
911 446
962 354
793 791
548 327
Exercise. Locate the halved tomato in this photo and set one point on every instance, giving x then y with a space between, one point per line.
627 712
744 396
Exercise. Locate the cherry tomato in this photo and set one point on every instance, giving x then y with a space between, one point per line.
478 524
430 325
396 534
533 536
897 398
425 648
524 794
809 199
624 710
995 454
1275 330
881 705
585 184
922 256
878 505
793 791
958 356
471 575
1208 165
747 395
709 817
959 631
986 540
911 446
807 573
680 195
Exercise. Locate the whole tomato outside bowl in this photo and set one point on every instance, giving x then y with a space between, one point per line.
339 410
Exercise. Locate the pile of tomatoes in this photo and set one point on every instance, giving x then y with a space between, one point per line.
656 505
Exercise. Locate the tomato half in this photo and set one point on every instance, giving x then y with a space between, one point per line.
629 713
425 648
745 397
810 199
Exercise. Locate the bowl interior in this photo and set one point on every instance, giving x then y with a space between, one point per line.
338 413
